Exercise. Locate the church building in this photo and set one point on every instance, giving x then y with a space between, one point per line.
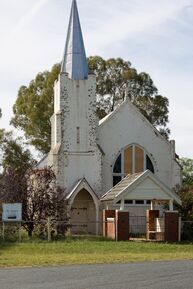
120 162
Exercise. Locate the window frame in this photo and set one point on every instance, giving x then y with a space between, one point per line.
122 174
146 203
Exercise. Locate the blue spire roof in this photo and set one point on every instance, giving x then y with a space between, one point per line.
74 61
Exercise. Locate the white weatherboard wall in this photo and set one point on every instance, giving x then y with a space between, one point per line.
127 126
75 153
147 190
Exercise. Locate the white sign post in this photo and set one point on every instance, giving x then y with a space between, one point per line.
12 213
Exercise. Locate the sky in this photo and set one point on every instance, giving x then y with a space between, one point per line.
155 36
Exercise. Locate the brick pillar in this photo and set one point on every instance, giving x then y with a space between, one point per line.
122 226
111 228
151 224
172 226
107 214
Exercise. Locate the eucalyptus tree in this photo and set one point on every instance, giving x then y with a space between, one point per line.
116 79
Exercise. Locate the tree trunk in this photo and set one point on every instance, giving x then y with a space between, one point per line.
30 229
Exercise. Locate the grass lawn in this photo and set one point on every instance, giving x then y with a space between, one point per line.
89 251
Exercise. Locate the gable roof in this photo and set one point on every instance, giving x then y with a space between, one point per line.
78 186
131 182
112 113
115 191
144 119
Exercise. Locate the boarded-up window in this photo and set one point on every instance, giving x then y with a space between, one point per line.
128 160
139 160
133 159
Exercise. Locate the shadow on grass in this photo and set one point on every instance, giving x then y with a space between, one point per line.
11 240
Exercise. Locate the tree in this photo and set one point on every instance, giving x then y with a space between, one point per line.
34 107
186 212
186 209
36 189
44 199
15 154
1 130
16 160
116 79
13 188
39 195
186 196
187 171
186 192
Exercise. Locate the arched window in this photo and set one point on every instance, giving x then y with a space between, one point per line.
133 159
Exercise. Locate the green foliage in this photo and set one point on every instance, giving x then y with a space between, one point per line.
186 193
1 130
35 189
186 209
1 135
187 231
116 79
14 154
16 159
34 107
187 171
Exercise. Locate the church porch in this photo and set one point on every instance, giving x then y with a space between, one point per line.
149 205
83 209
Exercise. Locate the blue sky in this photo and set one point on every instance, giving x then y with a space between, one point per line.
156 36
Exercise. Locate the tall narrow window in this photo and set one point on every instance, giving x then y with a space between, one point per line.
149 165
78 134
117 165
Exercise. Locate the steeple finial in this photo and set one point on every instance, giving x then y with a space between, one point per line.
74 61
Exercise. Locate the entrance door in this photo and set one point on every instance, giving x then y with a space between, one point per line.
83 214
79 217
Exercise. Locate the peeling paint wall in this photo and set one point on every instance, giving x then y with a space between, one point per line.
74 130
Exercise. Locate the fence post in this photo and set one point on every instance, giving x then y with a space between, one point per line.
49 229
20 232
180 229
3 232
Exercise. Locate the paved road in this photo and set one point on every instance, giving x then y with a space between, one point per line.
151 275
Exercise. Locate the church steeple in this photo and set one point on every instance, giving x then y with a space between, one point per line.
74 62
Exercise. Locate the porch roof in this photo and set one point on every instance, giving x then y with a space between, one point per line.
140 186
78 186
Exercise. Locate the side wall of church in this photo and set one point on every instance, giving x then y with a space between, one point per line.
126 127
74 127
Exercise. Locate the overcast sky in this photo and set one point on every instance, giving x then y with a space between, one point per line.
155 35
